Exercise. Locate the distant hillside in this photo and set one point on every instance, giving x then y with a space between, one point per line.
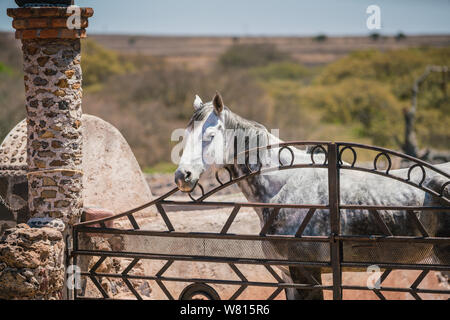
198 51
203 51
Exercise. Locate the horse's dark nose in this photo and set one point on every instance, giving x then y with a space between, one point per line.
179 176
185 179
182 177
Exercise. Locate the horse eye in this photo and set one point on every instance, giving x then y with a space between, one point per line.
210 135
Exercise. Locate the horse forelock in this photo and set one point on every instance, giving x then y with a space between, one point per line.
200 114
232 120
239 126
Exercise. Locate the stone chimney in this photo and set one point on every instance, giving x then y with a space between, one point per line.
51 59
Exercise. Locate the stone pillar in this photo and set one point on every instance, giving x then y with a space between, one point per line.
51 58
31 264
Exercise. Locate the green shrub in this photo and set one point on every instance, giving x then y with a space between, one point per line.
400 36
367 103
320 38
397 70
99 64
251 55
374 36
393 66
282 70
161 167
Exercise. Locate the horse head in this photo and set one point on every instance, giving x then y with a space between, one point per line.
205 142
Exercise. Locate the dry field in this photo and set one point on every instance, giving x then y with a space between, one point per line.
203 51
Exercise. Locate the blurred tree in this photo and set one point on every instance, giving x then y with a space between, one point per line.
375 36
251 55
132 41
400 36
320 38
409 144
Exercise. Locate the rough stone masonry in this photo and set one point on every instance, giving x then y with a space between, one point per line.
53 95
51 59
31 263
32 259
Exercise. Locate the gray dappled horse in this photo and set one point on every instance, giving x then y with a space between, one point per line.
209 146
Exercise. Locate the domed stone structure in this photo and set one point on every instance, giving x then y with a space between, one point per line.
13 180
112 177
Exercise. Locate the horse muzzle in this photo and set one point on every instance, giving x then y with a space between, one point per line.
185 180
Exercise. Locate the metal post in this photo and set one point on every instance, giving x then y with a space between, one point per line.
333 195
75 235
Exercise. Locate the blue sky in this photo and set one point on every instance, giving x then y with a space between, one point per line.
259 17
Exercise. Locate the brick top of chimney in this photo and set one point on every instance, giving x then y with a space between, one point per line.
48 22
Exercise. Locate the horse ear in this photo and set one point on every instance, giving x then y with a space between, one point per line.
198 103
218 103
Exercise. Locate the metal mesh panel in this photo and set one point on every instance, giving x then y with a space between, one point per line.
228 248
382 252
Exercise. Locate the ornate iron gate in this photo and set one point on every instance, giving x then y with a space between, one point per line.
243 249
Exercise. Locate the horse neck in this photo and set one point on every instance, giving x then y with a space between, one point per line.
263 187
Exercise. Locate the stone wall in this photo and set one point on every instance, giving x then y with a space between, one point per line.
31 263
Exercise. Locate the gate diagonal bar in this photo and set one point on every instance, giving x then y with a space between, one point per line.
280 252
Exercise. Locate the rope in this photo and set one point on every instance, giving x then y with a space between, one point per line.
55 170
